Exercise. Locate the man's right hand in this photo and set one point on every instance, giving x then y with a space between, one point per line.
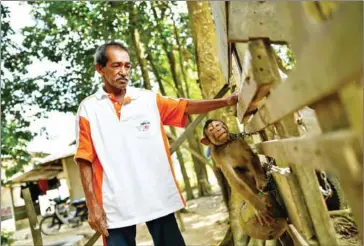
97 219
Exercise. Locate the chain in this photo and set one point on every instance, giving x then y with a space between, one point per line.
285 171
327 192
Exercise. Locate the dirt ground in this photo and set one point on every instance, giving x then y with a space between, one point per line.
205 224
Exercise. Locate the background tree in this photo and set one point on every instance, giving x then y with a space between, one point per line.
67 33
15 91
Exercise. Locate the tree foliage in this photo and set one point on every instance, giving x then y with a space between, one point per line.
67 34
15 90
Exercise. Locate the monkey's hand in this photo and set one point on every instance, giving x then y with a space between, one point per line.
262 212
261 184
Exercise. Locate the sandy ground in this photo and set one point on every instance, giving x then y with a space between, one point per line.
205 224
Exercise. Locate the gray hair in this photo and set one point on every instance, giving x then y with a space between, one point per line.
100 53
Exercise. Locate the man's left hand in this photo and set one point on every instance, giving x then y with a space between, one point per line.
232 99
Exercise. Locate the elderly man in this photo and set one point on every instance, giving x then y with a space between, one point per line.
123 153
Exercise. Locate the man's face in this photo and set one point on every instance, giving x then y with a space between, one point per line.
117 70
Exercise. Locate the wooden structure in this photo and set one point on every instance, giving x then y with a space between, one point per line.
33 220
60 165
326 39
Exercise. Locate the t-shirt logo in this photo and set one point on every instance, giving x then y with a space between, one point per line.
144 126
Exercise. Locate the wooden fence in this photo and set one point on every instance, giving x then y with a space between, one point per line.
326 40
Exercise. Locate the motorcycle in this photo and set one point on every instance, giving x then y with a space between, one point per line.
63 212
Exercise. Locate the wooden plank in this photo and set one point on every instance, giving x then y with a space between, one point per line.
32 216
258 19
317 73
93 239
287 186
219 16
292 196
323 227
332 115
340 212
296 236
352 98
320 152
260 74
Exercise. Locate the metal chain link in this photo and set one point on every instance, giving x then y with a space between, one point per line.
285 171
327 192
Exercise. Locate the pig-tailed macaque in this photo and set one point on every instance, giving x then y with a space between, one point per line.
260 216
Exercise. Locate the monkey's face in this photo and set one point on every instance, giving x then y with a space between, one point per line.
217 132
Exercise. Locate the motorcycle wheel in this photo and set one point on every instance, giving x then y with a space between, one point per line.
50 225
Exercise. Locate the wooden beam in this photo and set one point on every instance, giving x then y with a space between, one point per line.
193 152
340 212
317 73
259 76
319 152
296 236
93 239
258 19
308 182
335 113
32 216
351 97
292 196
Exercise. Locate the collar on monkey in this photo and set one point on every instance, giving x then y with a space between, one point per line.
233 137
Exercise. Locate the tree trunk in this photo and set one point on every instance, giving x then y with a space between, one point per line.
186 180
171 59
156 73
135 37
211 80
200 168
210 75
180 55
203 184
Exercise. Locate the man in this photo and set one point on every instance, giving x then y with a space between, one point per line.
123 153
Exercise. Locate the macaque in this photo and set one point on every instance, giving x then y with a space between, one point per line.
243 171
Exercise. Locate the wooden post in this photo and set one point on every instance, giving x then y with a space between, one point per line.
309 184
296 236
13 205
93 239
292 196
267 75
339 112
32 216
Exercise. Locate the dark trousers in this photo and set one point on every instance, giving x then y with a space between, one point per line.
164 231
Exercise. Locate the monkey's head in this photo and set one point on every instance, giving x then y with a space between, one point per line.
215 132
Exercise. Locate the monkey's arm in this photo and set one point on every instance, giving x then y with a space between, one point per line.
241 186
253 164
255 167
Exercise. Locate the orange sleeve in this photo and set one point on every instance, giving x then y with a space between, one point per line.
85 149
172 111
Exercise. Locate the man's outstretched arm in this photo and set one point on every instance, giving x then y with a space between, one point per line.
205 106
